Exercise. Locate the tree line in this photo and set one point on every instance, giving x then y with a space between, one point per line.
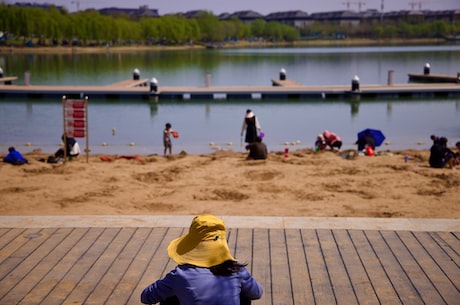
51 26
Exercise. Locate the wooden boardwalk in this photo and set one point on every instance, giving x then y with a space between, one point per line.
45 264
284 89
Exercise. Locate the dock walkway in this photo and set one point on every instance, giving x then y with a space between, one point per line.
434 78
131 83
110 259
8 80
283 89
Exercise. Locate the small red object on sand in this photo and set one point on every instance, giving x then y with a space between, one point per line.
175 134
106 158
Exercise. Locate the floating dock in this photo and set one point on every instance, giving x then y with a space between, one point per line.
434 78
282 90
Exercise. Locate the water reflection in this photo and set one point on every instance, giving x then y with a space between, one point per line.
404 121
309 66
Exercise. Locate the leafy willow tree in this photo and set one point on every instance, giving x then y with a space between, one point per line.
52 26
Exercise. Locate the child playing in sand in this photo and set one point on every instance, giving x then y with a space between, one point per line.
167 138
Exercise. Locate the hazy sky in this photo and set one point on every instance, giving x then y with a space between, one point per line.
261 6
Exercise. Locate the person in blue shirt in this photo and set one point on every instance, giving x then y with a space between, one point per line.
207 274
14 157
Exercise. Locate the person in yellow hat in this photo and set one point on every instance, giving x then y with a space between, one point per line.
207 274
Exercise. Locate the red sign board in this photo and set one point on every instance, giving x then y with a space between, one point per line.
76 133
76 114
75 104
76 123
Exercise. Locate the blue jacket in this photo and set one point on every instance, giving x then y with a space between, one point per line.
199 286
15 157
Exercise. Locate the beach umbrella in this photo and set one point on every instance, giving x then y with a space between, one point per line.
378 135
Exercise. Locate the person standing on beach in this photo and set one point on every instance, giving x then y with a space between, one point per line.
251 125
167 139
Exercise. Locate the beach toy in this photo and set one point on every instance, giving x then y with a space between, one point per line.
175 134
369 151
286 152
262 134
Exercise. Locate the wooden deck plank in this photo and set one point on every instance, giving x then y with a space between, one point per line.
80 267
280 268
294 266
99 269
28 246
78 242
378 278
128 286
323 291
358 276
403 286
412 269
152 267
109 252
261 264
300 277
343 290
450 244
243 250
440 257
36 266
438 283
122 262
7 246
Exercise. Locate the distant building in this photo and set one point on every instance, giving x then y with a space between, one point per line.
194 13
296 19
38 5
244 16
338 17
142 11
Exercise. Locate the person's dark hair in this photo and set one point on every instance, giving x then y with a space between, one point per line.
168 125
443 140
11 149
258 139
227 268
457 144
249 110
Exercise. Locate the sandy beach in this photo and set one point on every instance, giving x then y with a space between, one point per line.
224 183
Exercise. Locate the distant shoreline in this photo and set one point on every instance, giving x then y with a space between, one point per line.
239 44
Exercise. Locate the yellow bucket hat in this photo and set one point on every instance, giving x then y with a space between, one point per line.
205 245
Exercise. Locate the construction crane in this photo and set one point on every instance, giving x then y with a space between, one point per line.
77 2
414 4
359 3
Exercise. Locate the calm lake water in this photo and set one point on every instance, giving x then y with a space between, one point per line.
405 122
